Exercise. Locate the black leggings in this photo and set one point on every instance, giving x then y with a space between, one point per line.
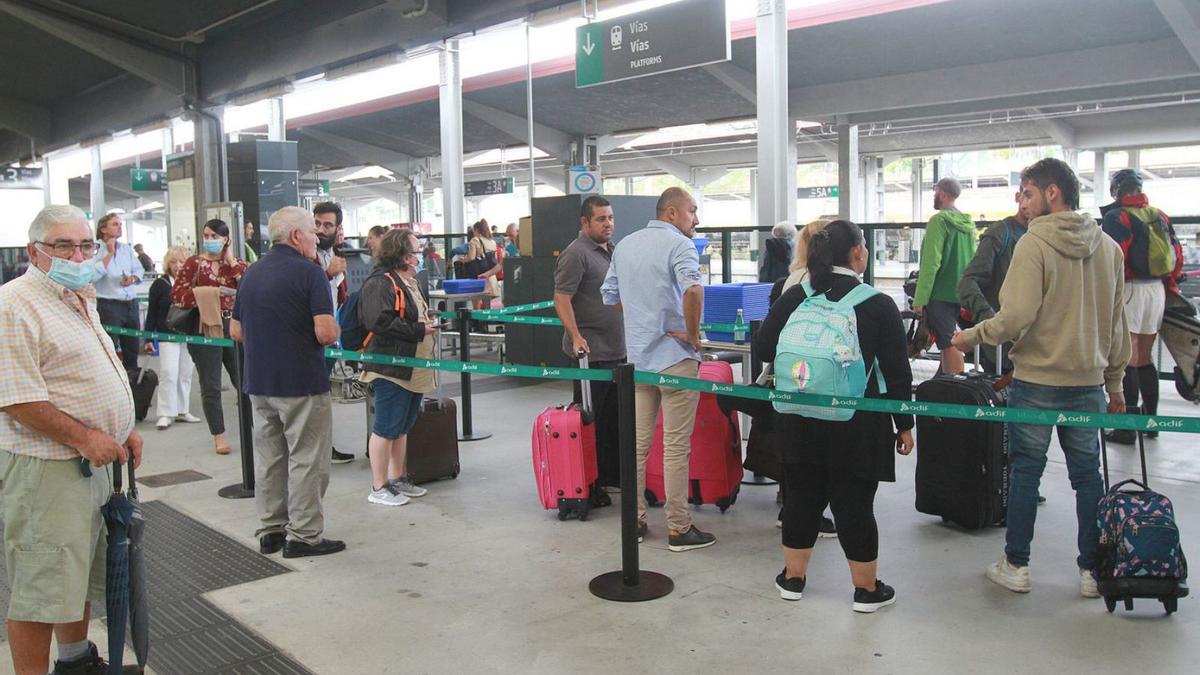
809 489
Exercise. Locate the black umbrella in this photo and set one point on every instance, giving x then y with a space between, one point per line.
139 619
118 515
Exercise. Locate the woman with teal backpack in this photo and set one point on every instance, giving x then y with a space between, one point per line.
839 463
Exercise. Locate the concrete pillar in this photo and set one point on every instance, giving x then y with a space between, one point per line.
776 185
276 125
450 111
97 185
1100 178
415 197
1135 159
872 178
850 193
918 175
168 148
211 184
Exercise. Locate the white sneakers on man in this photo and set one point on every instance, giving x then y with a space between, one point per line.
162 423
1087 584
1008 575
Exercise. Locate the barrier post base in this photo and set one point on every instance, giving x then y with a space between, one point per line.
235 491
755 479
474 436
612 586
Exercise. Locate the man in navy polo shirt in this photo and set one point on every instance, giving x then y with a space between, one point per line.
284 317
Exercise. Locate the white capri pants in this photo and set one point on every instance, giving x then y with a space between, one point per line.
174 379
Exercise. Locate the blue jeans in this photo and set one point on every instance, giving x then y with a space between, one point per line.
1027 446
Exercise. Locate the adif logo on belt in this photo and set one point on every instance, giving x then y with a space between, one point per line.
980 412
1073 418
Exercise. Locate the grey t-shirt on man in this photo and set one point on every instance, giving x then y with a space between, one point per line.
580 270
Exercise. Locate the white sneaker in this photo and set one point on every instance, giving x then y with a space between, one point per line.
162 423
387 496
408 488
1087 584
187 417
1015 579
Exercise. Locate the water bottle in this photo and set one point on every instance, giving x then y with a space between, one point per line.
739 332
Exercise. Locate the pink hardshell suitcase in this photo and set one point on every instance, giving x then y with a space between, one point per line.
715 464
564 458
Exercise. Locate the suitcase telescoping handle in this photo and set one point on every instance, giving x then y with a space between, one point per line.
585 391
1141 443
999 360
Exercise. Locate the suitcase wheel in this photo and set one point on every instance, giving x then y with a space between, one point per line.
1111 604
563 513
1128 604
583 514
724 503
1170 604
651 499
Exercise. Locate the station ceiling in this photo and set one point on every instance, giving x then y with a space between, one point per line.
918 76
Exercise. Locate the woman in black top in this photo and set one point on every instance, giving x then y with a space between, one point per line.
841 463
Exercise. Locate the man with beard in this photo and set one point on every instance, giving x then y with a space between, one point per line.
328 217
590 326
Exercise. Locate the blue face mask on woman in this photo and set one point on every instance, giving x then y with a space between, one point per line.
213 246
73 275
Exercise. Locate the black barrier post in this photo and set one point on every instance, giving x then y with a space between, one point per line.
629 584
244 489
464 353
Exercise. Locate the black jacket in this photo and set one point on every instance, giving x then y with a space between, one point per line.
864 445
393 335
776 258
158 305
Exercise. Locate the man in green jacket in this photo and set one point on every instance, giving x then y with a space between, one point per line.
979 289
947 249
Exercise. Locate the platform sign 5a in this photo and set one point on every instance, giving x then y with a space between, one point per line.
147 180
681 35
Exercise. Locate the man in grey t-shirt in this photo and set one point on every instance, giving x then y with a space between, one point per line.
590 326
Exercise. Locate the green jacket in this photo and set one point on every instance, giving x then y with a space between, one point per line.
947 250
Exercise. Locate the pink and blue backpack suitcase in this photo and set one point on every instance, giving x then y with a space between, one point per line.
564 458
1139 553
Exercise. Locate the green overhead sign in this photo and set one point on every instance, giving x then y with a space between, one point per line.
677 36
147 180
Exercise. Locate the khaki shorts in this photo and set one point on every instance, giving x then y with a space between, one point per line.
54 537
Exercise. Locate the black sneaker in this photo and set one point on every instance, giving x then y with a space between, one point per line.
1122 436
88 664
642 530
299 549
870 601
789 589
692 538
341 457
271 542
827 530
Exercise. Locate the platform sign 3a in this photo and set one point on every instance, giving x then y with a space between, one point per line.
147 180
677 36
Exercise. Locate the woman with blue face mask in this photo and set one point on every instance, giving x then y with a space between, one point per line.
216 267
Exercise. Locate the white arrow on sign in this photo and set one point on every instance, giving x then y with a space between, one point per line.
587 45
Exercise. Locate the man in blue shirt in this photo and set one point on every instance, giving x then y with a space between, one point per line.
117 272
284 317
654 280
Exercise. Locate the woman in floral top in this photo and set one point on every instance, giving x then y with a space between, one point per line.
216 266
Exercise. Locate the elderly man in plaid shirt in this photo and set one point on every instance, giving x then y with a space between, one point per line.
64 400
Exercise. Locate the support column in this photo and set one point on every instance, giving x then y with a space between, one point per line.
1135 159
168 148
210 182
415 196
1100 178
450 110
97 185
850 197
872 178
276 125
918 174
776 184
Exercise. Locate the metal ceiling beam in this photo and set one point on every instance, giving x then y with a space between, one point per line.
827 149
1184 19
156 67
365 153
1062 133
1109 67
737 79
671 166
548 139
1180 133
24 118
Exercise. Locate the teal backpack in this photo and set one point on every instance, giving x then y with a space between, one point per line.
818 353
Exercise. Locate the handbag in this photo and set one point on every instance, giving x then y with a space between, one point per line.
184 320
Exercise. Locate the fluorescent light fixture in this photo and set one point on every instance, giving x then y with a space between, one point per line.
633 133
366 65
152 126
262 94
95 140
150 206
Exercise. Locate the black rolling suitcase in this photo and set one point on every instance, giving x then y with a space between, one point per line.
143 382
433 440
962 465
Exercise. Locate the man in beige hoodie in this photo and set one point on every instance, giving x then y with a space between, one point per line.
1061 304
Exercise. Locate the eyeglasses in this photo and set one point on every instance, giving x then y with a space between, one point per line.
63 249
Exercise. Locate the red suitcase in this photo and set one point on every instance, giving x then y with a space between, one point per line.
564 458
715 465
